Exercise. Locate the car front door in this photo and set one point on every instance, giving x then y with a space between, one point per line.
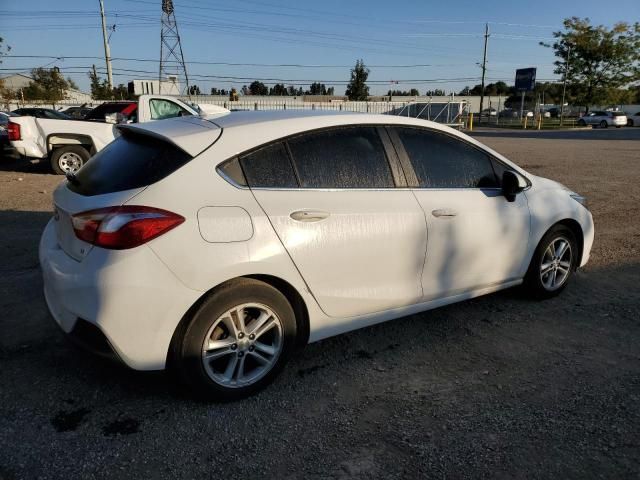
358 242
476 238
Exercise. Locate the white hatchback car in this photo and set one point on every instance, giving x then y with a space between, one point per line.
216 246
603 119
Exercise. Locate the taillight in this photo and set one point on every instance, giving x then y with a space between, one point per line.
119 228
13 129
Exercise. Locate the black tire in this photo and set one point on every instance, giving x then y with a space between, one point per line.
533 283
187 349
58 157
582 123
604 124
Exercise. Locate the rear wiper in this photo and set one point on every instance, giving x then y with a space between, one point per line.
71 177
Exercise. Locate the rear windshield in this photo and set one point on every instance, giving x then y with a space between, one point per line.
130 161
619 114
100 111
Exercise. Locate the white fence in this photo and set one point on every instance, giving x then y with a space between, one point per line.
450 112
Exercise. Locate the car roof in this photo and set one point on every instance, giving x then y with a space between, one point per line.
302 120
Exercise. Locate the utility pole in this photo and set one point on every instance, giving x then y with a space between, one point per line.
564 83
484 66
107 52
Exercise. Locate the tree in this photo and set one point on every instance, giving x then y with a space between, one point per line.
121 92
318 89
99 88
357 88
194 90
6 94
279 90
258 88
222 91
404 93
436 93
600 60
47 84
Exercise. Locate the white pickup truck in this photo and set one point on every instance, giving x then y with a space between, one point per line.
68 144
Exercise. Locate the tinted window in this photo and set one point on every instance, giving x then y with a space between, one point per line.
269 167
441 161
100 111
232 170
499 168
130 161
341 158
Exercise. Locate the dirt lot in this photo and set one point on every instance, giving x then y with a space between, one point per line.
497 387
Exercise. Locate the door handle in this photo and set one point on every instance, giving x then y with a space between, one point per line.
309 215
444 212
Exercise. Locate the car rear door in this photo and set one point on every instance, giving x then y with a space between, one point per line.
476 237
358 241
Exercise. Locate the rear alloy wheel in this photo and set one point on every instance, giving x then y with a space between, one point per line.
553 263
237 341
68 159
604 124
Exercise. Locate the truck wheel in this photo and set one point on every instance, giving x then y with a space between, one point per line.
68 159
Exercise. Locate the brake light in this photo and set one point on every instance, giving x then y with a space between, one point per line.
13 129
119 228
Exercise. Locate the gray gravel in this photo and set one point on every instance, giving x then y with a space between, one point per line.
496 387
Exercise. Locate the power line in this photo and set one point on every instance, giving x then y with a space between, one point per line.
292 65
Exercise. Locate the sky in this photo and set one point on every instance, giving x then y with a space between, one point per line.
406 44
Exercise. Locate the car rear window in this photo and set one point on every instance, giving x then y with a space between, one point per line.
619 114
100 111
131 161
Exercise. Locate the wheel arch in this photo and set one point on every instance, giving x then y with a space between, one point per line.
575 228
57 140
298 304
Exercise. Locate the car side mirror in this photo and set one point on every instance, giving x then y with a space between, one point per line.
510 185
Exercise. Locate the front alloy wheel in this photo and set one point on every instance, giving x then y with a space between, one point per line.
555 266
553 263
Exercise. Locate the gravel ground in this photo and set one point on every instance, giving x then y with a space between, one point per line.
496 387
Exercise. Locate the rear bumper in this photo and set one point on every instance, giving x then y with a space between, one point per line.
129 296
28 148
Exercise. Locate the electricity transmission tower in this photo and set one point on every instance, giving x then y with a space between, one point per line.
172 64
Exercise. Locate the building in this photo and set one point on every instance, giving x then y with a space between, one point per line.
16 82
145 87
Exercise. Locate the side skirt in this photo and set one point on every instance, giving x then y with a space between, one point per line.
338 326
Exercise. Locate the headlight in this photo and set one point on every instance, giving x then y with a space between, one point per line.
579 198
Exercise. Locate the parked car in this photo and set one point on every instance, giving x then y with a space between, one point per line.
47 113
4 120
508 113
603 119
77 112
216 246
68 145
489 112
633 120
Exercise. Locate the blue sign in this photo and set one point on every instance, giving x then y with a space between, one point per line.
525 79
